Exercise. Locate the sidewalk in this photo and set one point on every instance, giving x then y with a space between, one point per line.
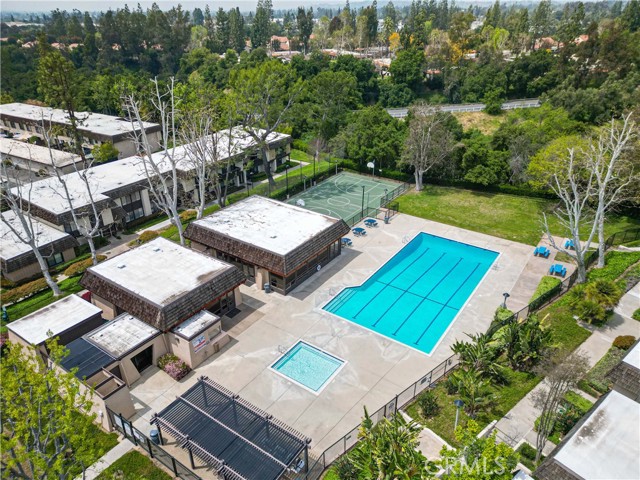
517 424
107 459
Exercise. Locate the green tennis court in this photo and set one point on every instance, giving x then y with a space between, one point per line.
344 195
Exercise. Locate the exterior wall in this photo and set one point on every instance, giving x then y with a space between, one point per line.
107 216
184 349
262 277
129 372
109 310
35 166
33 270
127 146
238 296
146 202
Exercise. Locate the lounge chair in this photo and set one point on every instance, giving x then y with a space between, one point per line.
346 242
558 269
570 244
370 222
542 251
359 232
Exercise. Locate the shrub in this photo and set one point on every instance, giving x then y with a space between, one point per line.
527 451
80 267
188 215
615 265
147 236
502 314
428 404
173 366
300 145
23 291
345 469
636 315
6 283
624 342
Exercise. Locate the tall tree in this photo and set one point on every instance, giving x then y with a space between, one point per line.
562 374
427 145
43 416
263 97
541 21
304 20
236 30
261 27
161 169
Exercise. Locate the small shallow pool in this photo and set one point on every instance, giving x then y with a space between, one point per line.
308 366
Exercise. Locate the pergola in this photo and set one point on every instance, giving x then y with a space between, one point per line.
237 439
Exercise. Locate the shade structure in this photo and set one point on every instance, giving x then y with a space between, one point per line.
237 439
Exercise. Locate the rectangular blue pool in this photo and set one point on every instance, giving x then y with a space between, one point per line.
414 297
308 366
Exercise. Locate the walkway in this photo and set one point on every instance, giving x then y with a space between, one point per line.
107 459
517 424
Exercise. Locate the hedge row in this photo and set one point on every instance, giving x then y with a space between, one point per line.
23 291
79 268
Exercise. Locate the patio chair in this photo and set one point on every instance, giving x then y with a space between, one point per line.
346 242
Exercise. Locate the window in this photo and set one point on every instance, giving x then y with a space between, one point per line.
134 214
55 259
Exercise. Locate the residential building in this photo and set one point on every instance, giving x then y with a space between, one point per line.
38 159
272 242
17 258
605 443
24 121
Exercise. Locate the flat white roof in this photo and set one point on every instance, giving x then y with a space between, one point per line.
55 318
98 123
607 445
267 223
12 247
111 176
199 322
122 334
37 154
160 271
632 357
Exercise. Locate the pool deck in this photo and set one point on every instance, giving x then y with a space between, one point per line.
377 368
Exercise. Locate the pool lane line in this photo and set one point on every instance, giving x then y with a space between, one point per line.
393 286
417 342
394 302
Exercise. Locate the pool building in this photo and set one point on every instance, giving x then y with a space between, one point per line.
273 243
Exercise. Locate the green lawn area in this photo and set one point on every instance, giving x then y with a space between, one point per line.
567 334
134 465
546 284
520 383
513 217
42 299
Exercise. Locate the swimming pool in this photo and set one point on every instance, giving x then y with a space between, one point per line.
415 296
308 366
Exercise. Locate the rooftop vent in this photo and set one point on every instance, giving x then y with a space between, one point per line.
121 266
157 249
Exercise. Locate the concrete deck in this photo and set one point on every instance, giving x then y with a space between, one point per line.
377 368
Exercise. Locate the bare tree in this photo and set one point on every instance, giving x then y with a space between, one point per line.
86 221
562 374
161 169
427 145
614 172
575 186
24 226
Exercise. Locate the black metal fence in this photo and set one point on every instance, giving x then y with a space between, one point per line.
127 429
374 212
342 446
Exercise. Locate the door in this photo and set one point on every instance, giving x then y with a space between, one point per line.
143 359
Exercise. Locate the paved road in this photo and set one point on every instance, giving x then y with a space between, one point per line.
471 107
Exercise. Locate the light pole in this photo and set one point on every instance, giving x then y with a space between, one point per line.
459 404
363 200
505 295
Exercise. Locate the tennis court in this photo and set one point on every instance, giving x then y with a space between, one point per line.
347 194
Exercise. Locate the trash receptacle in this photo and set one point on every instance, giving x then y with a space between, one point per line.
155 437
267 288
386 219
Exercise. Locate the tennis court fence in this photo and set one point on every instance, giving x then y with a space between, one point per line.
374 212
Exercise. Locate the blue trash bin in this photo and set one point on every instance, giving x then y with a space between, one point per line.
155 436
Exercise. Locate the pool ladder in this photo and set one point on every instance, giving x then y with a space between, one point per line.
282 349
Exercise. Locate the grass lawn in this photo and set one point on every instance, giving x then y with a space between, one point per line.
546 284
516 218
42 299
567 334
484 122
528 456
134 465
520 383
